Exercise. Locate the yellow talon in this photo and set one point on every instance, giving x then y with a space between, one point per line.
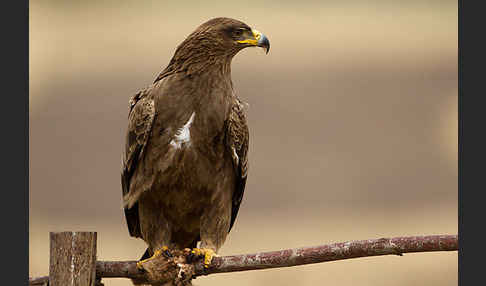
139 265
208 257
207 253
156 254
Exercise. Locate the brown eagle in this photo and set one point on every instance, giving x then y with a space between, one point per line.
185 162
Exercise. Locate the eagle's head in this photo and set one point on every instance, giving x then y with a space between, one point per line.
213 44
230 35
221 37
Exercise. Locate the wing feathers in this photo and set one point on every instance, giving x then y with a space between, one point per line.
237 138
140 119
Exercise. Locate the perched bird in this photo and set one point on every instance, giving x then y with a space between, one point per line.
185 161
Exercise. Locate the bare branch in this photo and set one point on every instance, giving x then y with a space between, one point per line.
296 256
301 256
333 252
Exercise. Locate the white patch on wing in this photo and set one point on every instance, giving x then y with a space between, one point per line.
183 135
235 156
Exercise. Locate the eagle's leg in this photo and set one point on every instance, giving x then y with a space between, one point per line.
155 228
214 226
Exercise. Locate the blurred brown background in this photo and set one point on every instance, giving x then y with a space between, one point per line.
353 128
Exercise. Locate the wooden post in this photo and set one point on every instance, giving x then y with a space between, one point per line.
72 259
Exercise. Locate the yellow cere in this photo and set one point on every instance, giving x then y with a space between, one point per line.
254 42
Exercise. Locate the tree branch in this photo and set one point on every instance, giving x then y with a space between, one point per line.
296 256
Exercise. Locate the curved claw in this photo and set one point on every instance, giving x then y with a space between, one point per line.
139 265
163 251
207 253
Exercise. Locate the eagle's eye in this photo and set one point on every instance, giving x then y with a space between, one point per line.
238 32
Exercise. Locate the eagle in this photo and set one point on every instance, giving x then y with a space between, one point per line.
185 163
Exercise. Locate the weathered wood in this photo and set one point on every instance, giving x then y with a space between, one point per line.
39 281
72 259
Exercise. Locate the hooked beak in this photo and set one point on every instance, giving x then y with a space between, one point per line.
259 40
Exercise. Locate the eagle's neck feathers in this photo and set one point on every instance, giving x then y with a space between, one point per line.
198 55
